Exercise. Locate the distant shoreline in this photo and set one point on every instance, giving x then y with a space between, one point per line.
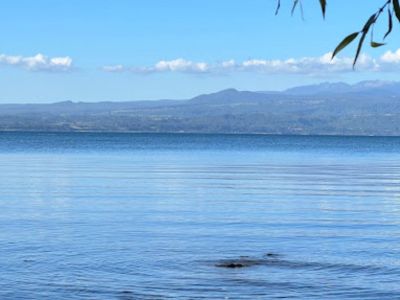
365 109
196 133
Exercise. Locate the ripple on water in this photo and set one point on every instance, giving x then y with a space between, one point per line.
147 217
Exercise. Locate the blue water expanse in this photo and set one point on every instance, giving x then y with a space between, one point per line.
156 216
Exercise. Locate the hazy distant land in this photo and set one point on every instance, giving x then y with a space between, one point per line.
366 108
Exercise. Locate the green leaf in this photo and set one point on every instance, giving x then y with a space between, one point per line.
367 25
346 41
278 6
360 44
396 8
323 7
390 25
376 45
295 2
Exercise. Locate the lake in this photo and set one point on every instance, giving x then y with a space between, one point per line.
157 216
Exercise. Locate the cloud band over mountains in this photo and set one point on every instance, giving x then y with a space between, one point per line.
39 62
389 61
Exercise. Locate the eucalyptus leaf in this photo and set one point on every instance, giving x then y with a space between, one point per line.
376 45
295 2
390 24
396 7
278 7
359 47
346 41
367 25
323 7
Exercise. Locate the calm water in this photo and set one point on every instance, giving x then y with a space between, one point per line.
140 216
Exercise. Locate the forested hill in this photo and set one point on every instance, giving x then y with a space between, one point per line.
366 108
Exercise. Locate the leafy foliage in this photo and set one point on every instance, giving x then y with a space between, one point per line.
392 7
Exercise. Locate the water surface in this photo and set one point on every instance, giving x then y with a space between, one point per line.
149 216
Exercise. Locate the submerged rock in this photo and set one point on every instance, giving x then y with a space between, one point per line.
231 265
247 261
242 262
272 255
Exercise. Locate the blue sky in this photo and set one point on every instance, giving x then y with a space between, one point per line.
117 50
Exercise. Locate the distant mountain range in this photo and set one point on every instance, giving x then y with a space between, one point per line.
365 87
365 108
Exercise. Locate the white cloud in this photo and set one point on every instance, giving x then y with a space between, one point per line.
320 65
228 64
309 65
177 65
39 62
391 57
116 68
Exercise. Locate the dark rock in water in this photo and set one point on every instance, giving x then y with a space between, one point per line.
126 295
242 262
271 254
247 261
232 265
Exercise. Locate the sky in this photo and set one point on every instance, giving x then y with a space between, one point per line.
123 50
